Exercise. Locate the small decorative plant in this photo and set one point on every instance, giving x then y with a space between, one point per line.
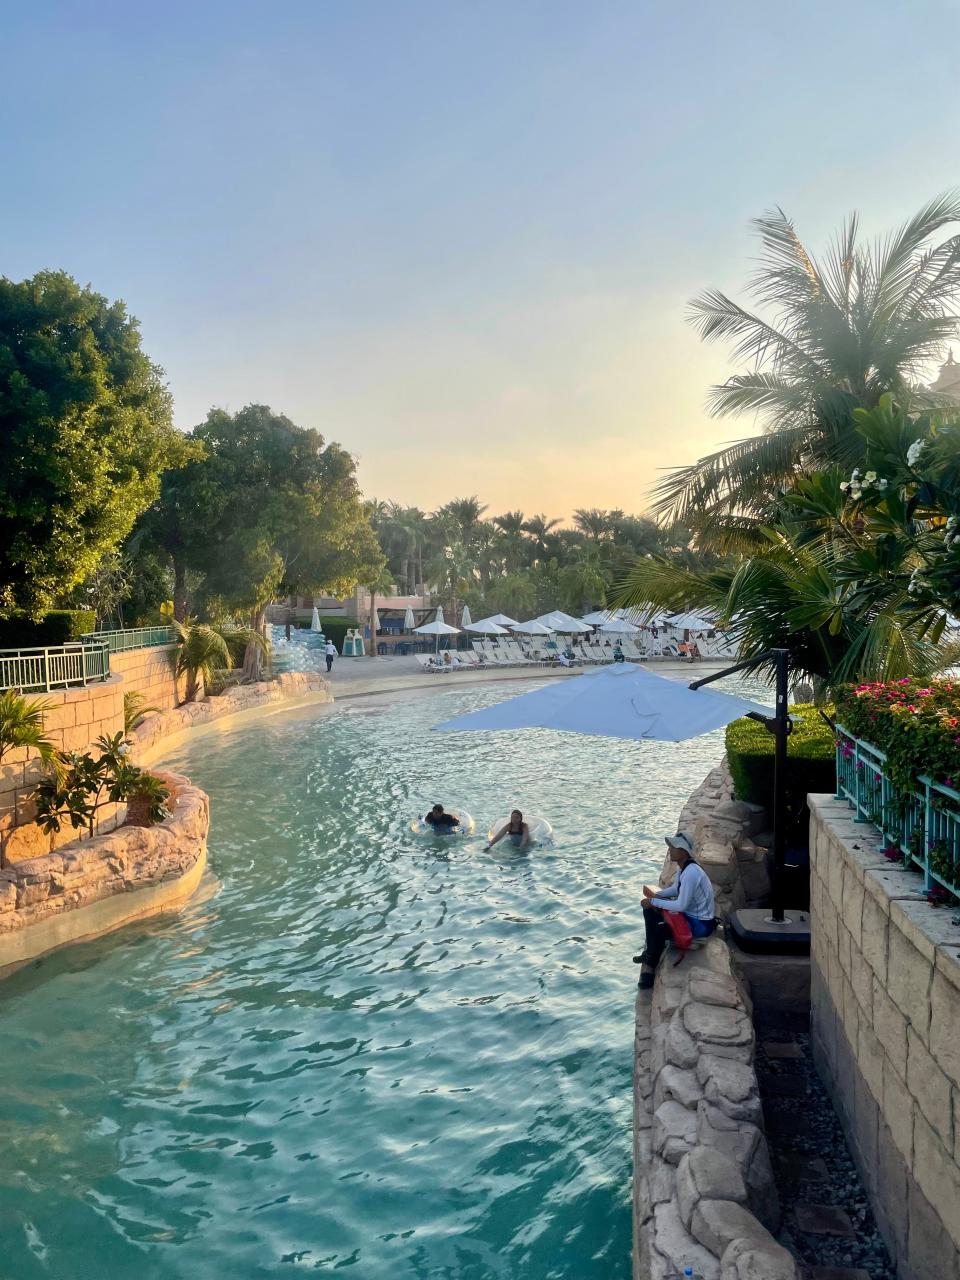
135 709
83 783
21 725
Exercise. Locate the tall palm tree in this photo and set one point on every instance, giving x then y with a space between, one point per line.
830 335
512 525
593 522
463 515
539 527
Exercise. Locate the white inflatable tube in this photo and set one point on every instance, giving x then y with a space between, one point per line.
540 829
465 827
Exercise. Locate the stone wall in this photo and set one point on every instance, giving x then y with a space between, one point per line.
76 718
885 1014
50 900
150 672
723 830
704 1194
159 732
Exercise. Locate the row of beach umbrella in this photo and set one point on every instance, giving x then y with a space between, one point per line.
556 622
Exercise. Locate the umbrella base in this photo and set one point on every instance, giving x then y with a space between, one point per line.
754 930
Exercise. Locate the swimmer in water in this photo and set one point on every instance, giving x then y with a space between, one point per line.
440 820
516 829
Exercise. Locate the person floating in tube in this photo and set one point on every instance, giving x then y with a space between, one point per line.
516 829
440 820
691 895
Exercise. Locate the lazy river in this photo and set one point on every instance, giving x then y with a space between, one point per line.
398 1057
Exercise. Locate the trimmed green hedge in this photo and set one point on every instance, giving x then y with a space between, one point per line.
19 631
811 764
335 629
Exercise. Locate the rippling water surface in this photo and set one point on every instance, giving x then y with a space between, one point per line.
370 1051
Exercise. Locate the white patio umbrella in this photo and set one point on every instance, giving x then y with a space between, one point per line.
487 628
600 615
619 626
564 623
376 621
437 628
532 628
690 622
315 620
620 701
501 619
409 621
465 618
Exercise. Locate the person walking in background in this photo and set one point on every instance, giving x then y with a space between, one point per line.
330 652
691 895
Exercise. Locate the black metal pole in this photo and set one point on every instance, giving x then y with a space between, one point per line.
781 730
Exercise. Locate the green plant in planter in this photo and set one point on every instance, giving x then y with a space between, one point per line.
146 800
84 783
21 725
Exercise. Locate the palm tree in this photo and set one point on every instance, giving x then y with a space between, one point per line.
205 648
596 524
462 515
831 335
539 527
21 725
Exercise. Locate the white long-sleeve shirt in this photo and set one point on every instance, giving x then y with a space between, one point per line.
691 893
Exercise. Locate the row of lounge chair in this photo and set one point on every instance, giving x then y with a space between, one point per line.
549 653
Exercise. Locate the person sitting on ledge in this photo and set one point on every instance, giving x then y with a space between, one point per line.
691 893
440 820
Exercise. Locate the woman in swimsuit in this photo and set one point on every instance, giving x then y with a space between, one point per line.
516 829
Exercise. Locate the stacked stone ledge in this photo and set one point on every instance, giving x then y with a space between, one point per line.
126 859
704 1194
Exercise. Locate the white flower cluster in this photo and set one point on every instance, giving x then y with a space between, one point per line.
914 452
951 536
855 486
917 582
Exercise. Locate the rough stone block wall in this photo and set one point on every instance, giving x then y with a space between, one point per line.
704 1194
885 1014
84 872
150 672
77 717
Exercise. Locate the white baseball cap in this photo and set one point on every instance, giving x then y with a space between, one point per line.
680 841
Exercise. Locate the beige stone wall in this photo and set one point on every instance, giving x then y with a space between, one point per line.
885 1014
76 719
150 672
53 899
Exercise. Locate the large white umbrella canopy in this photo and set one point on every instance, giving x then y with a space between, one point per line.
437 628
376 620
465 618
315 620
562 622
532 628
690 622
487 628
501 619
619 626
600 615
409 621
619 701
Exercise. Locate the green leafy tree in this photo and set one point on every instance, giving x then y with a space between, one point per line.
85 433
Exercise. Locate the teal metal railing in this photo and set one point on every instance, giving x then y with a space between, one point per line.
923 824
131 638
58 667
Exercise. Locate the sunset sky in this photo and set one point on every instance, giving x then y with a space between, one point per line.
459 237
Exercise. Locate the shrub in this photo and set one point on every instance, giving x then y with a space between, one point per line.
335 629
59 626
915 723
82 784
811 764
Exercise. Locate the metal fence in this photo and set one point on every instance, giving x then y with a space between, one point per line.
131 638
923 824
59 667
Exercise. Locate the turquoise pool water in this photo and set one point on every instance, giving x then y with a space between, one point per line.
393 1056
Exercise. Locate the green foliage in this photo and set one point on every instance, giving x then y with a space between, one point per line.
21 725
335 629
832 334
86 423
57 626
84 783
205 648
916 725
135 709
811 764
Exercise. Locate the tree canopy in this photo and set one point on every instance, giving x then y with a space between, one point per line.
85 431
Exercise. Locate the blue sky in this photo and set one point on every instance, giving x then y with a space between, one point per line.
458 237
